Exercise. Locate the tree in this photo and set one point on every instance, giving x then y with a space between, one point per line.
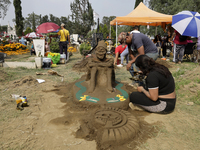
44 19
105 31
82 16
174 6
113 33
4 4
33 20
68 23
18 17
106 20
137 2
28 30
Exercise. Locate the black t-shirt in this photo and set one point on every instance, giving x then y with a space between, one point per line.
157 80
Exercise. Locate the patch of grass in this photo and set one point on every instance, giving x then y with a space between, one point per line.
196 98
194 85
178 73
197 80
181 83
181 95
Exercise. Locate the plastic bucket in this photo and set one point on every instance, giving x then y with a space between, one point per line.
46 63
62 58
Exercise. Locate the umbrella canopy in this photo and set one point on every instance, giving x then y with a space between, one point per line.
33 35
187 23
47 27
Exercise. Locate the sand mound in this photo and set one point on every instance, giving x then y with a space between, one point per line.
27 80
163 62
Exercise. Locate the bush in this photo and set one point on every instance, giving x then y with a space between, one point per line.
84 46
54 46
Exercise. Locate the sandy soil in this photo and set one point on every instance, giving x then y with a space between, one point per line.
53 122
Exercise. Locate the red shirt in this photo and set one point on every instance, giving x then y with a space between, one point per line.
176 40
119 49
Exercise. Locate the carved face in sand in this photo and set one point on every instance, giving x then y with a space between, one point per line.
101 52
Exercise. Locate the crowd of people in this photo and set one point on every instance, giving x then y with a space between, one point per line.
157 94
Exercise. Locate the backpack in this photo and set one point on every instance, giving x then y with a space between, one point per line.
182 38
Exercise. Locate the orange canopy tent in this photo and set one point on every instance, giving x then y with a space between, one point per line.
142 15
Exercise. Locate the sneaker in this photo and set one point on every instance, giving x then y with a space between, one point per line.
125 64
120 65
133 107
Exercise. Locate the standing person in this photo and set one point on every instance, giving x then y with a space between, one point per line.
198 50
47 46
122 50
179 47
143 45
159 95
32 48
64 39
135 30
166 44
189 40
158 43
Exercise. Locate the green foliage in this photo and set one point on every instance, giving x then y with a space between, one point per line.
90 33
105 31
137 2
28 30
54 46
32 21
106 20
113 34
84 46
4 4
175 6
18 17
82 16
44 19
196 98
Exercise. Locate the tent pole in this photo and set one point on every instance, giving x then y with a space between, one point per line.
156 31
116 35
110 38
110 32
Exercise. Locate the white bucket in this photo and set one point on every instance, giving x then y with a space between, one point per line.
62 58
46 63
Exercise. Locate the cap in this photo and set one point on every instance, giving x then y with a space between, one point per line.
62 25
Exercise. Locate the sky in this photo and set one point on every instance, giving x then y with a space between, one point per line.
62 8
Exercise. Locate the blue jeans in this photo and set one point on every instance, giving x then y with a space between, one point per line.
134 67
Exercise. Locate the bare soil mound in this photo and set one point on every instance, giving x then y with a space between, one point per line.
27 80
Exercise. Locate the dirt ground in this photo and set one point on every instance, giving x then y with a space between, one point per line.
53 122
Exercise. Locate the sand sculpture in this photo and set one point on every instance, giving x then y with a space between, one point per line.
99 87
111 122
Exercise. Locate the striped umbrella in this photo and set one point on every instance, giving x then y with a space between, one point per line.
187 23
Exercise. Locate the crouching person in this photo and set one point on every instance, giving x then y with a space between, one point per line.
159 95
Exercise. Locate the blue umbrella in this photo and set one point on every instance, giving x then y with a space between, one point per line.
187 23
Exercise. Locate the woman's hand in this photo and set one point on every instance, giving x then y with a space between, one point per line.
140 88
128 66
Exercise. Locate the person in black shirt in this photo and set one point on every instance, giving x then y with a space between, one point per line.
159 94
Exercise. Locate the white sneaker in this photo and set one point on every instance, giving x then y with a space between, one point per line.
125 64
120 65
